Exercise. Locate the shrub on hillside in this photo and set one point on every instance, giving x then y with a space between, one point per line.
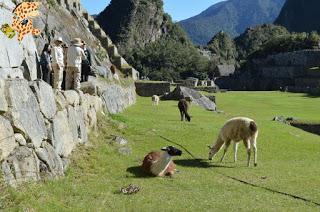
169 59
223 48
288 43
254 38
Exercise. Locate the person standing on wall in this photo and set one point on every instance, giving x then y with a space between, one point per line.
65 52
86 64
75 56
57 63
45 62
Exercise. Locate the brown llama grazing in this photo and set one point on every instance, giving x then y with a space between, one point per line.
160 163
183 106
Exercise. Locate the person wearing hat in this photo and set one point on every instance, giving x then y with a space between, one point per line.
74 59
57 63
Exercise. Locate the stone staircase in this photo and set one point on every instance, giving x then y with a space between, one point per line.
75 8
111 48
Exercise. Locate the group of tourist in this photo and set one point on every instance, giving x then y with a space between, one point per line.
62 63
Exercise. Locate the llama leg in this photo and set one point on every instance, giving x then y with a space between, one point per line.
247 145
254 146
226 146
235 151
182 115
171 169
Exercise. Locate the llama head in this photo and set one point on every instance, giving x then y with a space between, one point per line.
188 99
211 152
172 151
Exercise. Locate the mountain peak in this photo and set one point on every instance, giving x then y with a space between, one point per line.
132 23
299 16
232 16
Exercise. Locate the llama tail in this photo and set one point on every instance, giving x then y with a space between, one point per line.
253 127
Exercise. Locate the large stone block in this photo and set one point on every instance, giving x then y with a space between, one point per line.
7 139
12 73
30 61
20 139
60 101
114 97
45 97
92 118
21 166
110 96
3 101
197 98
77 124
25 112
52 161
72 97
89 87
63 142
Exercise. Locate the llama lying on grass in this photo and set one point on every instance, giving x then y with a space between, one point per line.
155 100
160 163
237 129
183 106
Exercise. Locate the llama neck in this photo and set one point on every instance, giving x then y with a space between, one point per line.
158 167
219 143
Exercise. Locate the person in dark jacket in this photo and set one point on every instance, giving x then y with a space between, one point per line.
45 62
86 64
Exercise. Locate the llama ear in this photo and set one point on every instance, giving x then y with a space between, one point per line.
164 148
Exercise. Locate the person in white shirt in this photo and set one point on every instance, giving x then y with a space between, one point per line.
57 63
74 60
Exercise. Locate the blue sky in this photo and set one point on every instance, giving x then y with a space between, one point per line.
178 9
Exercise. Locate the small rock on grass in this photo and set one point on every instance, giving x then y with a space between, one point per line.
120 141
125 150
130 189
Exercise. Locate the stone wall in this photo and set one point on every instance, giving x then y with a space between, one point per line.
152 88
291 69
40 127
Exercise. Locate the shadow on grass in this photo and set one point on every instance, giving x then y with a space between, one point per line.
198 163
311 96
138 172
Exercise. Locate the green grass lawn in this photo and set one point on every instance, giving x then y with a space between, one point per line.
288 161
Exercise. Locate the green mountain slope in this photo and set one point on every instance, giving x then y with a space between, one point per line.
150 41
232 16
300 15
